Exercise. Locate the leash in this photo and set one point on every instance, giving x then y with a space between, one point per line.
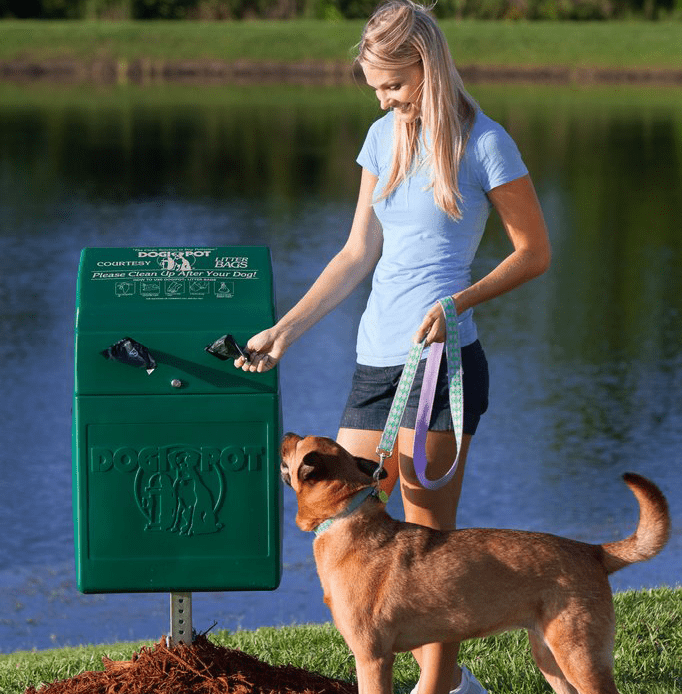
456 392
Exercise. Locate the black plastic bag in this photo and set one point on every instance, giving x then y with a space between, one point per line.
226 347
128 351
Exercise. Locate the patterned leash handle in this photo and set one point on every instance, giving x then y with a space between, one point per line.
456 395
395 415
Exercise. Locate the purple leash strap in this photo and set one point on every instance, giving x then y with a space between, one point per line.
454 360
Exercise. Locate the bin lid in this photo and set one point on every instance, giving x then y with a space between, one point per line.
175 301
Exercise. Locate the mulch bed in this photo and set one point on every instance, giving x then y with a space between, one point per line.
202 668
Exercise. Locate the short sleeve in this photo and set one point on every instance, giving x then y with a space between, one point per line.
369 154
498 158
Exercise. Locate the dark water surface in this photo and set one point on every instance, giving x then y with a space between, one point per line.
585 362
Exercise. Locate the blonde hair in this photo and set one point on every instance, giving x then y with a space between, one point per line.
400 34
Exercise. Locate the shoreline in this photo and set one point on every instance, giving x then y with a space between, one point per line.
209 71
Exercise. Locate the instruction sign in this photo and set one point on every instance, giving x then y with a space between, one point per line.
174 273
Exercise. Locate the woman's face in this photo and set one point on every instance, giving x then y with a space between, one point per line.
399 89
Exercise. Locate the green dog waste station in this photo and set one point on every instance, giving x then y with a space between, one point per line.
175 452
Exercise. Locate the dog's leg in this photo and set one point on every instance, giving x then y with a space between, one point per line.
575 660
375 675
587 669
548 665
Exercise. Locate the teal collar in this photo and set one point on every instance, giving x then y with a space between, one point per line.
354 504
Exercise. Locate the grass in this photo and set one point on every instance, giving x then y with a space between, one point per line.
614 44
648 653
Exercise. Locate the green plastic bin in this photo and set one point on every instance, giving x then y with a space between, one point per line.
175 472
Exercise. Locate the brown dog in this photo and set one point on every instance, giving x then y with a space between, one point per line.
393 586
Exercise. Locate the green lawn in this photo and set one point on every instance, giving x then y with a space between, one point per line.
631 44
648 653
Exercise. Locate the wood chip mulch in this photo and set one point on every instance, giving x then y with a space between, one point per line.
202 668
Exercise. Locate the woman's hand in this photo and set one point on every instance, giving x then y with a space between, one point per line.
433 325
265 350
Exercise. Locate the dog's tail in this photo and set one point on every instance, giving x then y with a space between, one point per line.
652 531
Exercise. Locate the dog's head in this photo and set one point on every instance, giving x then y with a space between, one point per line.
324 476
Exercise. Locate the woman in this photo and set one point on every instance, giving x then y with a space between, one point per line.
431 169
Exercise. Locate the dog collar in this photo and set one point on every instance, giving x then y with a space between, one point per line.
354 504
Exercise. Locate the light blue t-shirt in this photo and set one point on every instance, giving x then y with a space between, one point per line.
426 255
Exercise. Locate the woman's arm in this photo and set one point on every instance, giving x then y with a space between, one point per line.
517 204
341 276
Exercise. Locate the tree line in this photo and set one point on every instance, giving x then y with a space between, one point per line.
333 9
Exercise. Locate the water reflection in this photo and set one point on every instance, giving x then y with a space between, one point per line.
585 362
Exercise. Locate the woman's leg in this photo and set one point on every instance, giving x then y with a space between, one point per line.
363 443
434 509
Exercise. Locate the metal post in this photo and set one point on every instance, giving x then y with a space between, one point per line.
180 619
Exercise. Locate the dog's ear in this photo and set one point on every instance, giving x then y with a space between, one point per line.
313 467
289 442
369 467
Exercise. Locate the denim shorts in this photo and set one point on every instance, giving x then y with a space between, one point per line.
373 388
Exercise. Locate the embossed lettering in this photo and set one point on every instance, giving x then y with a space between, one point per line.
101 459
233 458
125 459
160 459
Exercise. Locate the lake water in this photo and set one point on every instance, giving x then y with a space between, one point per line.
585 362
